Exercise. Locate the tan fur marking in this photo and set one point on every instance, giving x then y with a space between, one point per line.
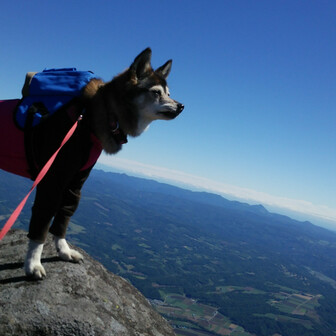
92 87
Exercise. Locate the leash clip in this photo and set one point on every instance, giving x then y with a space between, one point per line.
116 127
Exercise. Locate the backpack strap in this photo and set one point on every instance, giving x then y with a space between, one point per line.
73 108
40 108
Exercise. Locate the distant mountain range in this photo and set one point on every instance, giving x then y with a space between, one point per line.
209 265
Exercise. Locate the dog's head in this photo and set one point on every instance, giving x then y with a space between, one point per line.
152 97
131 101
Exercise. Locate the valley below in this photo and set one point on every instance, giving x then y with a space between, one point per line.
210 266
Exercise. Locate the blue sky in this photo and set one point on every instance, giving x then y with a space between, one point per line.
258 80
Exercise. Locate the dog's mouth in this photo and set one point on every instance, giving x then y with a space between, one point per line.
172 114
168 114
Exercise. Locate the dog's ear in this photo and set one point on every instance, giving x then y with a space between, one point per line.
164 70
141 65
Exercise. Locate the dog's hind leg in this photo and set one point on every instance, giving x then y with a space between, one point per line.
68 205
65 252
32 265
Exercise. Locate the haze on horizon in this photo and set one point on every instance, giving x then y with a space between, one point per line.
289 206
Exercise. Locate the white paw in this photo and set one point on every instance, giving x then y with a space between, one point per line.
65 252
33 267
70 255
35 271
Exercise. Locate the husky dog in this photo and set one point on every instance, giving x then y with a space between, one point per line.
124 106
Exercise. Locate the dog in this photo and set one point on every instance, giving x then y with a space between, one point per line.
123 107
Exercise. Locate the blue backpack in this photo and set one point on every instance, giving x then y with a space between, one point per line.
47 91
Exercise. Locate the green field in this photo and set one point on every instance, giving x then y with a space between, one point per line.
189 317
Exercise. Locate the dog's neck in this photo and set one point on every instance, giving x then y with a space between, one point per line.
118 134
110 120
143 126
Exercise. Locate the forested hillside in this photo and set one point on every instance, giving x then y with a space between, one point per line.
211 266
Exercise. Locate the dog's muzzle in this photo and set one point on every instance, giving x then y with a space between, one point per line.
172 114
180 108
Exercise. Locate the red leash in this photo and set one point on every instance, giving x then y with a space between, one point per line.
11 220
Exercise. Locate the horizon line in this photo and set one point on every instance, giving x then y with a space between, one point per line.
181 178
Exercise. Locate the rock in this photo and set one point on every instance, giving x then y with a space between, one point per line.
74 299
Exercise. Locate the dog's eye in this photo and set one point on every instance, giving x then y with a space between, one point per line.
157 93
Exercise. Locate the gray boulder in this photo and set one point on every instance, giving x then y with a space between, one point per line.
74 299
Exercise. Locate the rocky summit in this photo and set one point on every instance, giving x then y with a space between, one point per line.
74 299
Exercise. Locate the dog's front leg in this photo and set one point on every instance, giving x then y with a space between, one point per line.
65 252
33 266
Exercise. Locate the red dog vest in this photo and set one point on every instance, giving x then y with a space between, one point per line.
12 147
12 150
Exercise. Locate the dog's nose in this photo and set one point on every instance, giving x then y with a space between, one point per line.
180 107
